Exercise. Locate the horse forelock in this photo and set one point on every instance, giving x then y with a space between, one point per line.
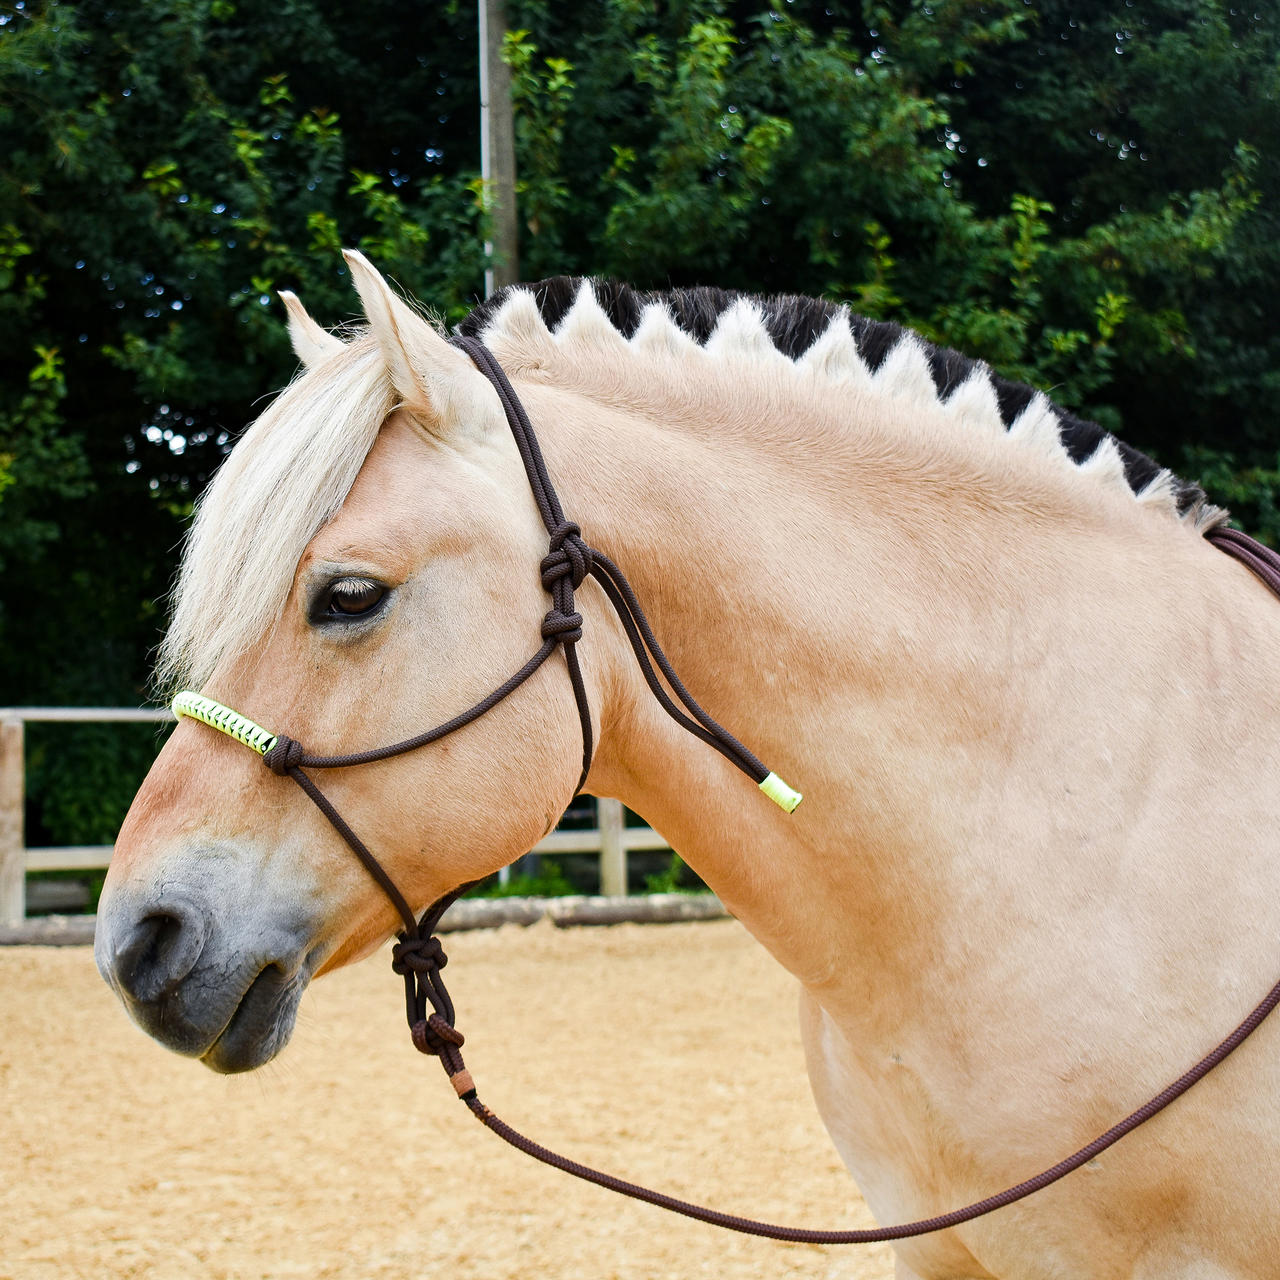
826 339
286 477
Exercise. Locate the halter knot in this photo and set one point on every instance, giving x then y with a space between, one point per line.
569 556
434 1035
418 955
566 627
285 755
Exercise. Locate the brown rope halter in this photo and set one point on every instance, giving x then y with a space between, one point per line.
418 955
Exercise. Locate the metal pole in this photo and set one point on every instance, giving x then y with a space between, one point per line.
13 854
498 150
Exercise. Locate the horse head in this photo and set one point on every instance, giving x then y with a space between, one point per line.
364 564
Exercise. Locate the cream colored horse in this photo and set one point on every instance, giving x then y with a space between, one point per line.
1035 719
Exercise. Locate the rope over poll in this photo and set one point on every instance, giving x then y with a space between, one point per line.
418 955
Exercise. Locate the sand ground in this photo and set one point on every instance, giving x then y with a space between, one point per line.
637 1047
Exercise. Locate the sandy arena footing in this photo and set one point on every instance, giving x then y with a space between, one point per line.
638 1048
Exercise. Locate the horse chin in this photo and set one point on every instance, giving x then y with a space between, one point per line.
261 1025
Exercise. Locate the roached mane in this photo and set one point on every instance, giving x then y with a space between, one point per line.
795 323
294 467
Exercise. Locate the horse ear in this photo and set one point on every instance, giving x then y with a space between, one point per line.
311 344
434 380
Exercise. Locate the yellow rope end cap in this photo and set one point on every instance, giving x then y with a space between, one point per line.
781 794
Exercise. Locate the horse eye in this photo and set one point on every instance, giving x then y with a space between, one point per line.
355 596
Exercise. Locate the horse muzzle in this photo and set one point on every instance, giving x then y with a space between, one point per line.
208 979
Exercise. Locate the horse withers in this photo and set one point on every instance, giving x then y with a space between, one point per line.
1025 698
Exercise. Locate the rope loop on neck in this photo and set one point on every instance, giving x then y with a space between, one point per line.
285 756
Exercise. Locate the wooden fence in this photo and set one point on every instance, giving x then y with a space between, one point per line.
611 838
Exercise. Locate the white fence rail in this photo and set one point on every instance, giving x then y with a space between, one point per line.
611 838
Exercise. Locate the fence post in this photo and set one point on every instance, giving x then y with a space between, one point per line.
613 853
13 852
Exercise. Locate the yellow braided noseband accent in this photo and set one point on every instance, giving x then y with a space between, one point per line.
216 716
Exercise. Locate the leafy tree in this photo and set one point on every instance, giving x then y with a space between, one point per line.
1079 191
926 163
1150 127
168 165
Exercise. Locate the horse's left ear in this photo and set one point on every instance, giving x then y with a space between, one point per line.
311 344
436 382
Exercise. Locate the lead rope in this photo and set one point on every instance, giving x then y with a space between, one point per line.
418 956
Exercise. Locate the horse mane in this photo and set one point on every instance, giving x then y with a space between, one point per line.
292 469
795 324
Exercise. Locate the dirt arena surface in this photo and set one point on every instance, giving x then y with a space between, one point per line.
637 1047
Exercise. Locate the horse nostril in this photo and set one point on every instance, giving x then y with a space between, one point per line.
160 951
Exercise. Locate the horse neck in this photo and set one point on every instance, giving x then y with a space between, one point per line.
899 648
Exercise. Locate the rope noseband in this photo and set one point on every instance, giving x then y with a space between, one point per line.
418 956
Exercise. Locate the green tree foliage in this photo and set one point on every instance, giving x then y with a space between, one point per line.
166 167
1152 128
1082 192
970 168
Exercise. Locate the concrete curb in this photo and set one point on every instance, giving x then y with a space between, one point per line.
652 908
48 931
470 913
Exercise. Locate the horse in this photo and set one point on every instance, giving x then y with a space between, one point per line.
1024 696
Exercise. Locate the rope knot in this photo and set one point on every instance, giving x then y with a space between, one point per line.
433 1035
569 557
566 627
418 955
285 755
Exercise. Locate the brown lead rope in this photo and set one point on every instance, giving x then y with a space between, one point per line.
924 1226
1266 565
418 955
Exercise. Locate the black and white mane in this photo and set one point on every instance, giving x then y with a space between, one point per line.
794 323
